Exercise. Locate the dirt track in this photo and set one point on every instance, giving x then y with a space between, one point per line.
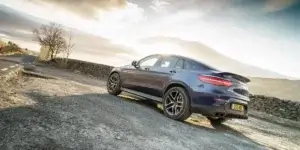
79 114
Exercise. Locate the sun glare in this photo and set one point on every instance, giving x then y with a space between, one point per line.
158 48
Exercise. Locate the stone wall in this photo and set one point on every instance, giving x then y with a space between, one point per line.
271 105
87 68
275 106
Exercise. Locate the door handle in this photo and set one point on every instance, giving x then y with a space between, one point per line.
173 71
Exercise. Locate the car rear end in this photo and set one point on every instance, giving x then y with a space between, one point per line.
220 94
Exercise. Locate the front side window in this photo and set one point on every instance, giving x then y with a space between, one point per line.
149 61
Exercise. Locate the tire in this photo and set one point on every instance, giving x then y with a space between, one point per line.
180 109
113 84
216 121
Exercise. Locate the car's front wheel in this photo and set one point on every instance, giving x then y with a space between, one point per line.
176 104
114 84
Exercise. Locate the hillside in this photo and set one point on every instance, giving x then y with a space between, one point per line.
12 19
280 88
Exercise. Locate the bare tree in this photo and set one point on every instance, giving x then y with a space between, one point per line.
52 37
70 45
69 48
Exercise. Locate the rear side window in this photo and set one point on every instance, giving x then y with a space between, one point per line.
179 64
168 62
196 66
204 67
189 65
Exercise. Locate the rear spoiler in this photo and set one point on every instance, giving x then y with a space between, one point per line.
235 76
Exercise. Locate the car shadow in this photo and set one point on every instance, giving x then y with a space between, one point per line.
73 121
141 101
194 121
55 73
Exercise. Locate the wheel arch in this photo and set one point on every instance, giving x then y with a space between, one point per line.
114 70
117 89
177 84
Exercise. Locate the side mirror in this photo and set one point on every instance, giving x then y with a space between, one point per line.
134 63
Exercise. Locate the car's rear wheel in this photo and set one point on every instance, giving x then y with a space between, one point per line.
217 120
176 104
114 84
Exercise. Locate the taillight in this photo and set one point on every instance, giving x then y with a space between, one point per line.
214 80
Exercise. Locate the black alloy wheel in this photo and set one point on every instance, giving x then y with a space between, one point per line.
114 84
176 104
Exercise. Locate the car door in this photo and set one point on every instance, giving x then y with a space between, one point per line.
136 78
162 72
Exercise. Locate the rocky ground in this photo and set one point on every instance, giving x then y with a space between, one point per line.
75 112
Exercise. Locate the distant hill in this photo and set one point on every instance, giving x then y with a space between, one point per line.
280 88
215 59
88 47
13 19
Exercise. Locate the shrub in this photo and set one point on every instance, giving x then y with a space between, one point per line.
10 47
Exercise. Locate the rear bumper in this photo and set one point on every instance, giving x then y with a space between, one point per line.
222 108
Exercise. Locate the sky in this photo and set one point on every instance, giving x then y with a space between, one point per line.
263 33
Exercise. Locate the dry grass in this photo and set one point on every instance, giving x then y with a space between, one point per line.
2 44
6 49
9 48
9 96
280 88
6 92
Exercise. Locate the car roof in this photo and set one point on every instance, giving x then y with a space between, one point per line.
189 59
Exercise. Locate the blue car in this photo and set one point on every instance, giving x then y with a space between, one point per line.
183 86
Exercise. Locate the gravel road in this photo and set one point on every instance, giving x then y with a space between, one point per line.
6 62
75 112
10 61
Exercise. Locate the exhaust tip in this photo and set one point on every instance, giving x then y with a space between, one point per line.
220 115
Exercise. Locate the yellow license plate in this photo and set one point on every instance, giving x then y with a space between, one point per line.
237 107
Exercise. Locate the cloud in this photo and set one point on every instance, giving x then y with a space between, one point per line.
277 5
89 8
85 8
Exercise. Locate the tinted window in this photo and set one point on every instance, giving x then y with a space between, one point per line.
189 65
168 62
203 67
179 64
149 61
196 66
